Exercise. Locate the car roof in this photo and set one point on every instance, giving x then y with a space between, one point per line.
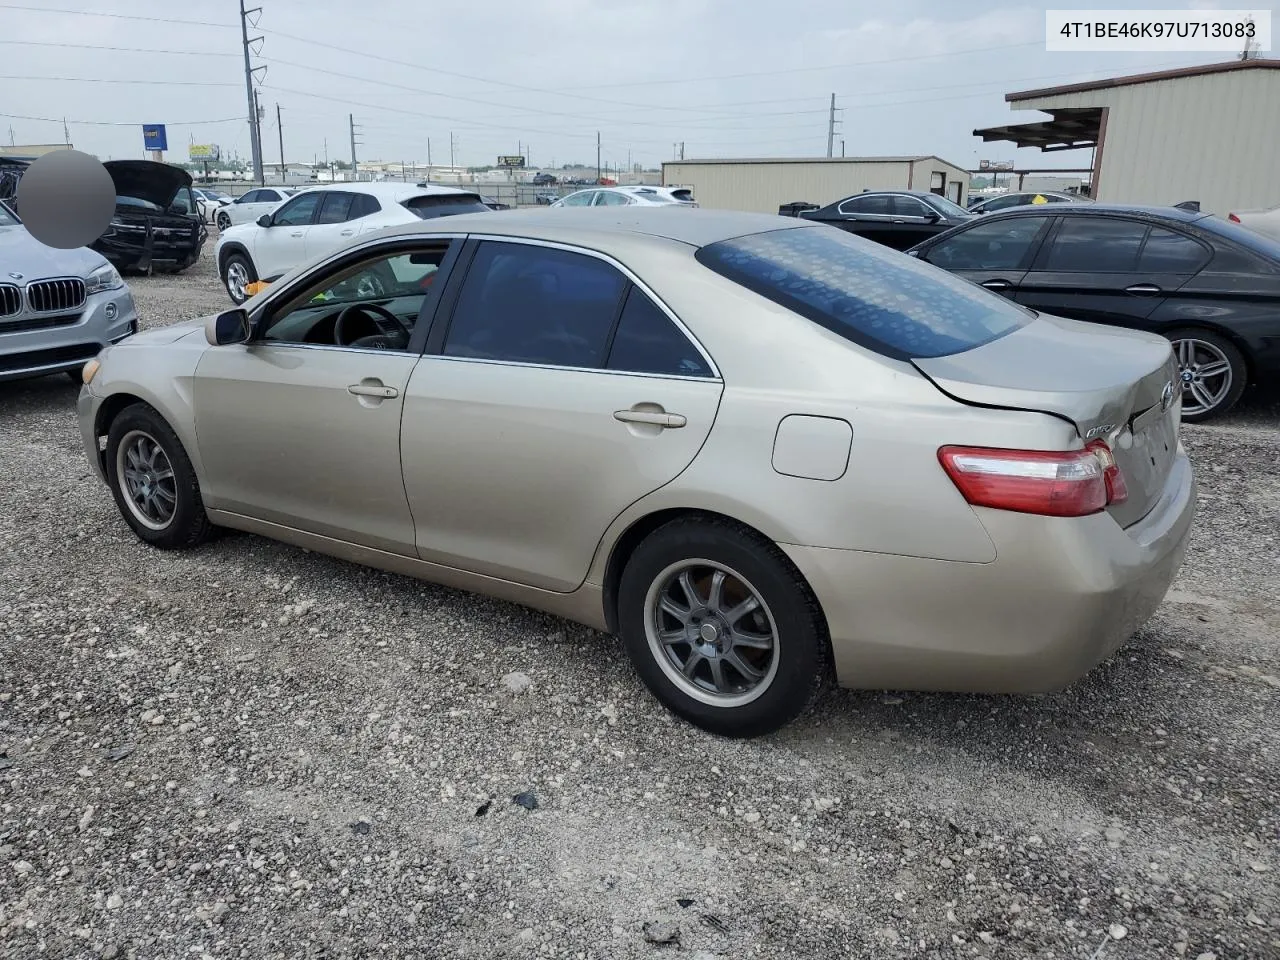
606 226
1102 209
387 189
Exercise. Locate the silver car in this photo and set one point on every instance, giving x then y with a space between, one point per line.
754 447
58 308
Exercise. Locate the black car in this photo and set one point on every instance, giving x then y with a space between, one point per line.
157 224
543 179
895 218
1211 287
1004 201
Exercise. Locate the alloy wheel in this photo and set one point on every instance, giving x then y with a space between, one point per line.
711 632
237 280
146 479
1206 375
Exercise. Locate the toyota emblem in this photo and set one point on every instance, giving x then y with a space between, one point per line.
1166 396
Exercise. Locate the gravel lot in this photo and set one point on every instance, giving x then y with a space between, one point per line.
253 751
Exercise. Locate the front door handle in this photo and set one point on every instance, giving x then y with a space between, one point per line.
997 284
1143 289
379 390
671 421
346 233
298 234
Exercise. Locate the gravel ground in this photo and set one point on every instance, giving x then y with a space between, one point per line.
252 751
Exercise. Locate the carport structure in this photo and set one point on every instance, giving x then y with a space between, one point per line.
1208 133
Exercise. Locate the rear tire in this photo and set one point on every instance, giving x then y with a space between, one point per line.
744 655
1214 373
237 273
153 482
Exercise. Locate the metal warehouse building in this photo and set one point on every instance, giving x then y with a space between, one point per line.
1208 133
761 186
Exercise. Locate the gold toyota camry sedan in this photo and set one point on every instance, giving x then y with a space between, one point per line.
756 448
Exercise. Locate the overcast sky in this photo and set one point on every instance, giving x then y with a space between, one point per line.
728 77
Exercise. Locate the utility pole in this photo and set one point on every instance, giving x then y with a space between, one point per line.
254 142
842 147
11 137
262 156
428 159
351 120
280 131
451 163
597 156
831 125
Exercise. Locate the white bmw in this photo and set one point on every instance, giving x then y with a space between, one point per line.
320 219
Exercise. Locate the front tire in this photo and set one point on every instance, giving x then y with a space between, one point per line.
238 273
223 221
1214 373
153 482
722 628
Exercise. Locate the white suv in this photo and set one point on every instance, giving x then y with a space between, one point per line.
318 220
644 196
250 206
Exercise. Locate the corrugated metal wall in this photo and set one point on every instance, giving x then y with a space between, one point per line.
1214 138
761 187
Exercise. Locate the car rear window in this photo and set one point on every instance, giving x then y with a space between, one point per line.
684 196
445 204
867 293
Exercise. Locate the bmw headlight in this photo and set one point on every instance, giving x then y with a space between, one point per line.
104 278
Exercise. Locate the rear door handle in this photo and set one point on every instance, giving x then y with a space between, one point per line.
373 390
298 234
346 233
671 421
1143 289
997 284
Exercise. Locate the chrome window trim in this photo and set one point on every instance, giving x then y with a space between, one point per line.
630 275
567 369
289 344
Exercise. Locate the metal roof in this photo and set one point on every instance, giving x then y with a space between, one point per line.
1138 78
1070 129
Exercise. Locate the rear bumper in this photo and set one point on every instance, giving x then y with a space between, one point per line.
106 318
1061 596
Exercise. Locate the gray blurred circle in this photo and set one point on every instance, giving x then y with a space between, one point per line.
66 199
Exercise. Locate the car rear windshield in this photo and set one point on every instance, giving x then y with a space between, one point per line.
869 294
445 204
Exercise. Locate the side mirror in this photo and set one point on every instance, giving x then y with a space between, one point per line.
227 328
932 216
264 220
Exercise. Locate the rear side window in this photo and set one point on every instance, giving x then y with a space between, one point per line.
683 195
362 205
335 208
648 342
445 204
1096 245
865 292
879 203
530 304
1168 252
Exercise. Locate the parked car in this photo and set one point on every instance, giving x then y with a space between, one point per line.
250 206
58 308
1209 286
626 196
1006 200
210 202
157 223
543 179
1265 222
891 467
320 219
895 218
544 198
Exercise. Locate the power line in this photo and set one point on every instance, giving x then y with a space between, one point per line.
94 46
120 123
160 83
115 16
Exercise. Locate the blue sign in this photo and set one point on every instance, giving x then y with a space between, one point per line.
154 136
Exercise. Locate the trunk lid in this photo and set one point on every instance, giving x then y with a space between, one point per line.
1112 384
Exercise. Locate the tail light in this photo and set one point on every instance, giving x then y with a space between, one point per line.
1050 483
1233 218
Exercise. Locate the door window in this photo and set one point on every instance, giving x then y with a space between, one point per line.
530 304
880 204
398 284
298 211
1096 245
648 342
990 245
608 198
362 205
582 199
253 196
909 207
184 202
335 208
1169 252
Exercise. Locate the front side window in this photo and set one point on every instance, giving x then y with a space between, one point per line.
298 211
947 208
530 304
1096 245
909 207
867 293
183 201
374 303
991 245
647 341
251 197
